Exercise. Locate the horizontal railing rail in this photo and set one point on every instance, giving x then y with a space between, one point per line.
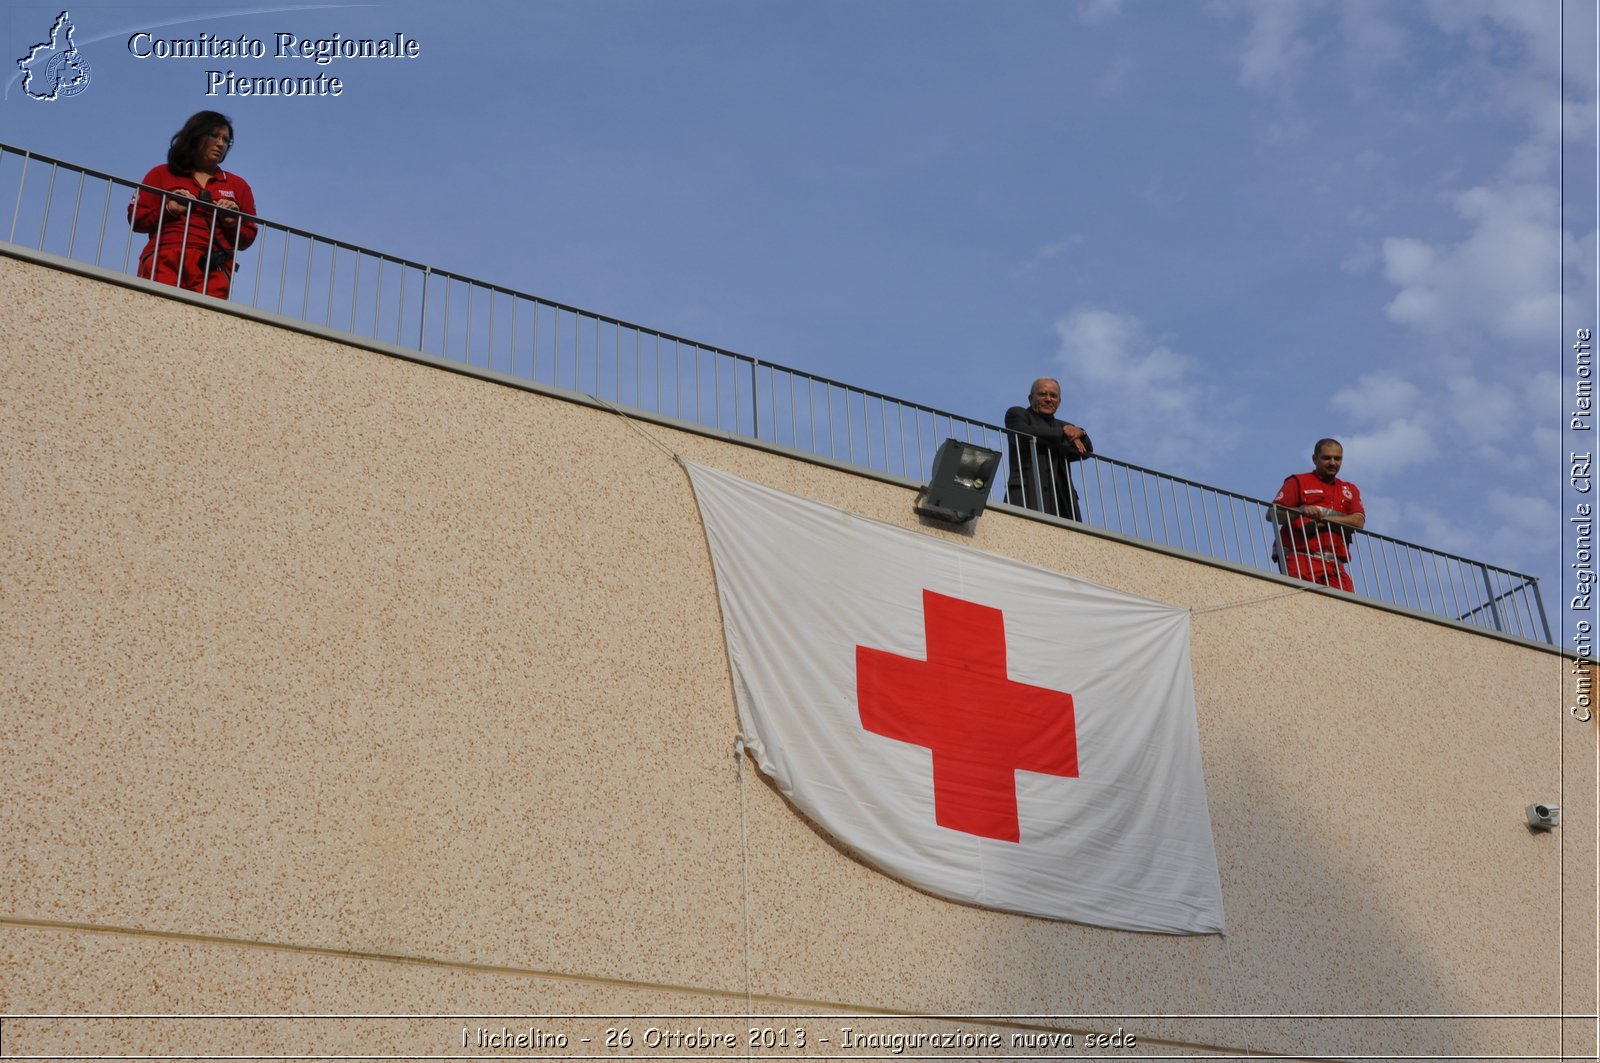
81 214
1183 514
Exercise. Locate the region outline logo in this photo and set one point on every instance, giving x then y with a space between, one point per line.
56 63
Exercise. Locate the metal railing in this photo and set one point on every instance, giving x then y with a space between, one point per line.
81 214
1185 515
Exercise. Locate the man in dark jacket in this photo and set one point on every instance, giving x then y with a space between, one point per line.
1041 448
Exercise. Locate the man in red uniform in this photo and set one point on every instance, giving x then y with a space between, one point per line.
1317 513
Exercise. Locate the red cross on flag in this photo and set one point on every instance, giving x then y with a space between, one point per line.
983 729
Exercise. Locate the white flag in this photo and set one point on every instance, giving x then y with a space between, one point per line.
983 729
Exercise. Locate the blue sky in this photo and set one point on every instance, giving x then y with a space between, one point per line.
1229 226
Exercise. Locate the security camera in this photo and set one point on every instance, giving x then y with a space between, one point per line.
1544 817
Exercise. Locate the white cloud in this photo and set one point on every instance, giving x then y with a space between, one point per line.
1503 278
1377 397
1095 12
1141 400
1116 74
1524 533
1401 444
1537 26
1517 49
1487 409
1510 529
1485 421
1371 37
1579 267
1360 216
1541 396
1045 254
1362 258
1273 49
1482 422
1280 41
1542 392
1546 439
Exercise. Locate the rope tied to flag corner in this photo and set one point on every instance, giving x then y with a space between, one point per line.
633 423
1246 601
739 742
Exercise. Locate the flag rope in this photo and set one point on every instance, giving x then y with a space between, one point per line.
1247 601
1233 988
744 865
738 754
633 424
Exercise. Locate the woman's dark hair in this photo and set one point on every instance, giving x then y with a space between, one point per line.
185 149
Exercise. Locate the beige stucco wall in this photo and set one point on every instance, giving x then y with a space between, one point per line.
335 683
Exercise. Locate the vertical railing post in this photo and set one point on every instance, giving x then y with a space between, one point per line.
16 211
755 402
49 194
422 312
1494 606
1531 585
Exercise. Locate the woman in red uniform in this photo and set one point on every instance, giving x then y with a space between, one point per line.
191 245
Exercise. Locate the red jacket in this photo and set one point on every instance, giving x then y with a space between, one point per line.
196 226
1307 535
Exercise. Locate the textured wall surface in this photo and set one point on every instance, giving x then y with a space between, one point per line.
336 683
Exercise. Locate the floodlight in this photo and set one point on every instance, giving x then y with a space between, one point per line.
962 476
